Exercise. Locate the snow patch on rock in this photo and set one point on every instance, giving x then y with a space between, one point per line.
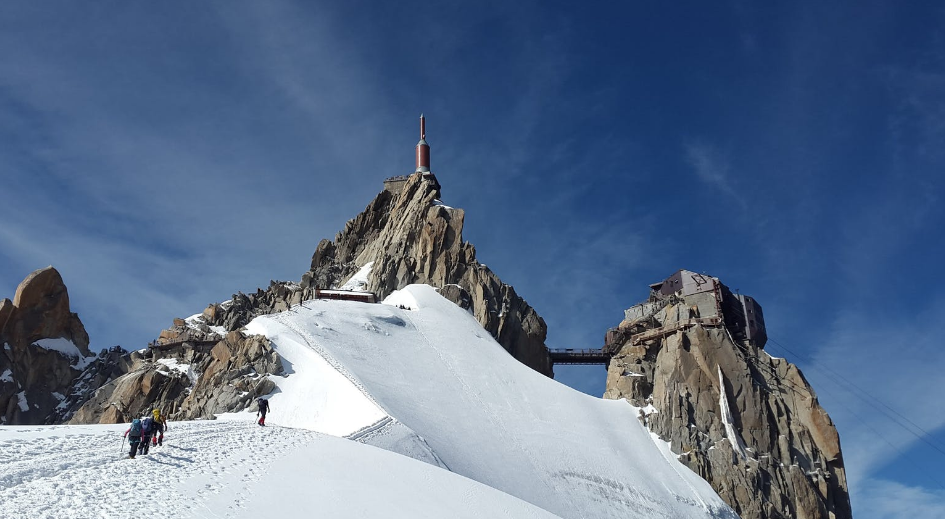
733 437
359 281
21 401
68 349
174 365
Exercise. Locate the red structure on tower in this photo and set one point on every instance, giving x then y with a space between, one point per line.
423 149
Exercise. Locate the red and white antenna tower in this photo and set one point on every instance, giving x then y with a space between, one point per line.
423 149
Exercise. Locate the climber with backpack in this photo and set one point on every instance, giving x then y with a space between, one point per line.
262 406
134 437
147 431
160 424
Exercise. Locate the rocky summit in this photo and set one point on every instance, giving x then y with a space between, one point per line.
692 357
45 350
407 235
205 364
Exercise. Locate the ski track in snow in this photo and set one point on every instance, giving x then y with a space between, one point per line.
381 431
505 426
43 476
312 342
498 425
366 434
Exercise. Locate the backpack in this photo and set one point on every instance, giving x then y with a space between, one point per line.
135 428
147 425
262 403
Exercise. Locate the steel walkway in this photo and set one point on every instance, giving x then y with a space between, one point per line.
569 356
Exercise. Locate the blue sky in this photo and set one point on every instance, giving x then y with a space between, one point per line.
163 156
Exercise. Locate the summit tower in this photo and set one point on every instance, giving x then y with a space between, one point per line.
423 149
396 184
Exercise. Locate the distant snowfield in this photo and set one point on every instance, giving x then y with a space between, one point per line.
445 423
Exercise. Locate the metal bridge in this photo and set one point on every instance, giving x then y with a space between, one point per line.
193 342
570 356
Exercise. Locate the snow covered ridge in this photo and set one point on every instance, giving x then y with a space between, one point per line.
430 383
425 414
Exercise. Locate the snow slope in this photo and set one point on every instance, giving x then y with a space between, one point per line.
228 469
445 424
430 383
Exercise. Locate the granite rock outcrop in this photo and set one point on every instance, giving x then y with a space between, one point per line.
749 423
45 349
186 380
204 365
407 235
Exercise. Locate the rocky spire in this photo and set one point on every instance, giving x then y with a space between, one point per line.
44 350
748 423
408 236
405 235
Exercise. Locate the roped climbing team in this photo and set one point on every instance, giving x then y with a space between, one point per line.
149 431
142 433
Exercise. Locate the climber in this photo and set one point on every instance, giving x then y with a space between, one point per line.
147 432
262 408
160 423
134 436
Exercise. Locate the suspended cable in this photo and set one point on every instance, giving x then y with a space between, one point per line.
752 360
869 399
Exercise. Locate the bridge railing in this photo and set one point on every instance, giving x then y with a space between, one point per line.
579 356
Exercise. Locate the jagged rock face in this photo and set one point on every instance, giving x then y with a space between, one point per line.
748 423
35 380
186 381
42 311
192 371
233 376
110 364
410 237
243 308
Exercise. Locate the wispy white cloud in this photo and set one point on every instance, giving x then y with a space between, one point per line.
713 167
917 125
895 363
574 269
884 499
151 216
